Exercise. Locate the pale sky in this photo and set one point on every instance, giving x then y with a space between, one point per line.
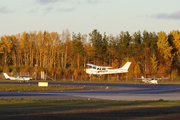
110 16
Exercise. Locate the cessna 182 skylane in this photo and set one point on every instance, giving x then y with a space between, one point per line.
100 70
149 81
19 78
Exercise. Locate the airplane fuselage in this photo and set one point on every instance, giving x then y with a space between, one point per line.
107 71
19 78
22 78
150 81
100 70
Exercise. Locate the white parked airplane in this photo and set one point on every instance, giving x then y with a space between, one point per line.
18 78
149 81
99 70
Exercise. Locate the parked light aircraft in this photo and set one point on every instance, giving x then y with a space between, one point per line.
100 70
149 81
18 78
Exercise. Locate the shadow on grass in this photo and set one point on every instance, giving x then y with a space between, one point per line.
89 110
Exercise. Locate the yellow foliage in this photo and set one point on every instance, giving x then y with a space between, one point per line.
133 62
6 44
115 64
5 69
75 74
137 70
165 49
154 63
174 73
89 50
176 42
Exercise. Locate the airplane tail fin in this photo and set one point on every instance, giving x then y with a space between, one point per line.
6 76
126 66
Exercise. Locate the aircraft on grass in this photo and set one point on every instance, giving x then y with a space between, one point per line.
19 78
149 81
100 70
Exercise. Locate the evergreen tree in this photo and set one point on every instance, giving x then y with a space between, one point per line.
97 44
77 48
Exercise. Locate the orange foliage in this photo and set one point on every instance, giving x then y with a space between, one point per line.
76 74
115 64
161 70
54 53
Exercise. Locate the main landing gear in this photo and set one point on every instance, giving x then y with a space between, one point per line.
100 76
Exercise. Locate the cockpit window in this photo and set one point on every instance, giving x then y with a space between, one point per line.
94 67
103 69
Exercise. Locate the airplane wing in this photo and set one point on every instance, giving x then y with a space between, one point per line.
92 65
104 66
139 78
142 78
161 78
152 78
23 75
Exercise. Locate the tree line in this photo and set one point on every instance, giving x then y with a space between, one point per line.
152 54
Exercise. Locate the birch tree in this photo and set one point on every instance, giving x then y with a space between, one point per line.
165 50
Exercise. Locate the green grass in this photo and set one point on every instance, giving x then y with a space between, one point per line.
87 109
30 88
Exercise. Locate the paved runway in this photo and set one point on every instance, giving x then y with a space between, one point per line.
102 91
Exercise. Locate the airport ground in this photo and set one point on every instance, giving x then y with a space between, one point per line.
101 91
107 101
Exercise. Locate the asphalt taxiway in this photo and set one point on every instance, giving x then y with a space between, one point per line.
102 91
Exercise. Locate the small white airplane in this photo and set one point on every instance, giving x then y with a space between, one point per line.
149 81
18 78
100 70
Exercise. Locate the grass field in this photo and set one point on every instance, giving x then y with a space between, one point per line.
30 109
30 88
97 81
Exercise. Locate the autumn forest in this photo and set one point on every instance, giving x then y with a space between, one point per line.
152 54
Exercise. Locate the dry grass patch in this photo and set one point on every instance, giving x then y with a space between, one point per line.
31 88
87 109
